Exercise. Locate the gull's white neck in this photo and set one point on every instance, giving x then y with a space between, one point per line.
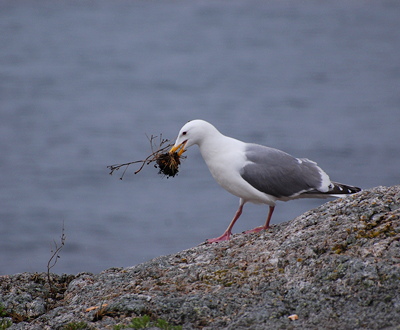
217 145
220 154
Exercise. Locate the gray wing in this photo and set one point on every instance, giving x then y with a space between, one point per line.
279 174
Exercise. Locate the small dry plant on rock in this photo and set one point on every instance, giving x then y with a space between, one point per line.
53 261
167 163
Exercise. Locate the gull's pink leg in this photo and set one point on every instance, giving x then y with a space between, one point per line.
227 234
266 226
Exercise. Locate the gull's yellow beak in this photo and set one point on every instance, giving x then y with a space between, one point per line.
176 148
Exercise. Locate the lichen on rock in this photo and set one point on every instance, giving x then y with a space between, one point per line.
336 266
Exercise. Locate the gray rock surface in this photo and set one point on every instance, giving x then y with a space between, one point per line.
335 267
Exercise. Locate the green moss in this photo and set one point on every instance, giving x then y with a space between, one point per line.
3 312
162 324
145 322
140 322
76 326
5 323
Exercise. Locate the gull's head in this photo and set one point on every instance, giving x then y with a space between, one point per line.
193 132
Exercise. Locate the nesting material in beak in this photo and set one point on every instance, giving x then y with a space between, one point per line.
168 163
175 148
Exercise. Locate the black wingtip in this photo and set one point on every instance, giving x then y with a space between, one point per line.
340 188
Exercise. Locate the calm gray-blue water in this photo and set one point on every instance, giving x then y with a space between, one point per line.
83 82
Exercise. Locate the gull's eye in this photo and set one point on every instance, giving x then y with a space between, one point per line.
184 133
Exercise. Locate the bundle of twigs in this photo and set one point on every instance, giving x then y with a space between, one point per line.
168 163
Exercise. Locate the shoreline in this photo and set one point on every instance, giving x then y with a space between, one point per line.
336 266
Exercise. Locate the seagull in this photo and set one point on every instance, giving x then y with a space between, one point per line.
256 173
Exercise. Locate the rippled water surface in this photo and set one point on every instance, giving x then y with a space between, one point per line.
83 82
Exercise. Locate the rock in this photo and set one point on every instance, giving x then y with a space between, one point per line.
337 266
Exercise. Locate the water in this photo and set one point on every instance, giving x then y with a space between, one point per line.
81 83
